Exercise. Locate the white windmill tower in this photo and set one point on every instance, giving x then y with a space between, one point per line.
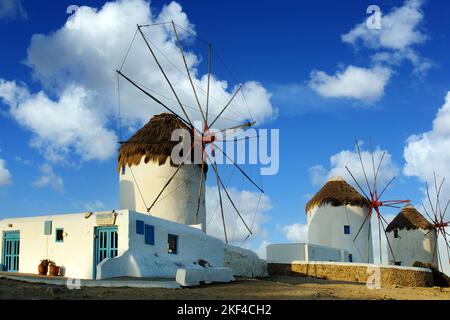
150 181
412 238
335 213
145 167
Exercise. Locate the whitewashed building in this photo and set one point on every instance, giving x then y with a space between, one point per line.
133 241
106 245
412 239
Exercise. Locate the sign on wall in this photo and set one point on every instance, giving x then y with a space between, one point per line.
106 219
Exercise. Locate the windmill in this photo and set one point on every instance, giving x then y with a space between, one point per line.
203 139
437 218
374 197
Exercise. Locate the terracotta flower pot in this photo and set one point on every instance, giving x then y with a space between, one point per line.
43 269
54 270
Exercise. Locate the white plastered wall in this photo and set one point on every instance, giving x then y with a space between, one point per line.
290 252
144 260
326 228
75 255
178 202
411 246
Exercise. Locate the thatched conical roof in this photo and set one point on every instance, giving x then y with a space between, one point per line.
152 141
410 219
337 192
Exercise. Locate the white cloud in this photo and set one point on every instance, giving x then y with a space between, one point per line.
399 29
69 123
253 207
261 249
366 84
89 55
400 32
12 9
429 152
297 232
94 205
5 175
350 158
76 67
49 178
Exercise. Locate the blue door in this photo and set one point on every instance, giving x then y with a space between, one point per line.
11 251
105 244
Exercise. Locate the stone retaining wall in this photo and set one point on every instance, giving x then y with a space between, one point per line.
390 275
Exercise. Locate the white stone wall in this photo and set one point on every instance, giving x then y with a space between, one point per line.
290 252
178 203
245 263
412 246
326 228
143 260
75 254
135 258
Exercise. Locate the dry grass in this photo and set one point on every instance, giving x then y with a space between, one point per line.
152 141
337 193
409 218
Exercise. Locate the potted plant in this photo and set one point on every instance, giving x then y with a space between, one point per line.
53 269
43 267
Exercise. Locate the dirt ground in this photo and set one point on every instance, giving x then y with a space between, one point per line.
243 289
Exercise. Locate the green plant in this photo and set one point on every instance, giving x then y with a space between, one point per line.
45 262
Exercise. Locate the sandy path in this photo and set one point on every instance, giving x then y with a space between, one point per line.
273 288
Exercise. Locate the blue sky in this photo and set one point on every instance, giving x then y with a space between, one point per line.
295 50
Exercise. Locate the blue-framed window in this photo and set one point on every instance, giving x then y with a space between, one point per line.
59 235
47 228
139 227
346 229
123 170
172 242
149 235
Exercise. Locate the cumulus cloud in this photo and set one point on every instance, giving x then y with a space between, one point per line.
253 207
400 32
49 178
429 152
350 158
12 9
261 250
5 175
366 84
68 123
399 29
297 232
79 55
76 67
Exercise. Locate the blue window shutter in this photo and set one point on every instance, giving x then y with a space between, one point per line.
139 227
346 229
47 228
149 235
